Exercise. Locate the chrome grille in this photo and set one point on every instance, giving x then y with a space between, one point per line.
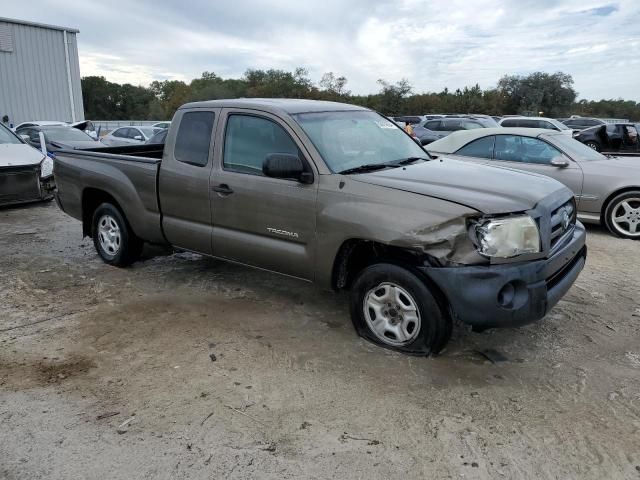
563 219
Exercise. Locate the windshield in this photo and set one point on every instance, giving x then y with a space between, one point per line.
575 149
66 135
6 136
149 131
352 139
558 124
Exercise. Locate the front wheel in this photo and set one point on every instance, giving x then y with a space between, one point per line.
114 240
622 215
392 307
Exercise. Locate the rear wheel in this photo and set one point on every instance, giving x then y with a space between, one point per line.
592 144
394 308
622 215
114 240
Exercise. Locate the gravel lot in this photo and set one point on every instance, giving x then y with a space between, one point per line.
226 372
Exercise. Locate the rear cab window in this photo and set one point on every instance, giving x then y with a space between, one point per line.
193 140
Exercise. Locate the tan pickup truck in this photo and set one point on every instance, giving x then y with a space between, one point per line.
337 195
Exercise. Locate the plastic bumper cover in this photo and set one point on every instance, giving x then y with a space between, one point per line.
510 295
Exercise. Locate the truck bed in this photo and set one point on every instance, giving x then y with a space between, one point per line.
129 175
146 150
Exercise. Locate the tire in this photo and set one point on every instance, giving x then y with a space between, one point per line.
622 215
113 238
594 145
402 305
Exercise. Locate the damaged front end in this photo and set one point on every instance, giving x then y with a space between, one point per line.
504 270
444 244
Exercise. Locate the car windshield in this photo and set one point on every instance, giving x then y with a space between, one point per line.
149 131
558 124
575 149
6 136
66 135
352 139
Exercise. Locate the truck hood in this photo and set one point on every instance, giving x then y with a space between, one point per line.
488 189
19 155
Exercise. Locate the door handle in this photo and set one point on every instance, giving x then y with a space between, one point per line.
223 189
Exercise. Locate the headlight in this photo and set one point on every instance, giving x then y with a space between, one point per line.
46 167
508 237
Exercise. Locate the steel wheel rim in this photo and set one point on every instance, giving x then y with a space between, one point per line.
392 314
109 235
625 217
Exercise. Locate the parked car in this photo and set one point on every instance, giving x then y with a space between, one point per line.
26 174
580 123
164 125
88 127
611 138
39 123
431 130
607 189
536 122
337 195
129 136
57 137
159 138
408 119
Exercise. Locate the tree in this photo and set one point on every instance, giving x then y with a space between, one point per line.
279 83
332 87
391 97
172 94
551 94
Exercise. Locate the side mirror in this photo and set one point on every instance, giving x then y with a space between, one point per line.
138 137
283 165
25 138
560 162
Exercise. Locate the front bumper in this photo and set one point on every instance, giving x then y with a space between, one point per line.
23 185
510 295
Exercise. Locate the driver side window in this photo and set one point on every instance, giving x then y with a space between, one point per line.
249 139
515 148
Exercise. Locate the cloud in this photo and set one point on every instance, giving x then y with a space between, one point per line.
434 44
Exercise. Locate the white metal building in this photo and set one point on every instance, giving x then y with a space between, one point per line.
39 72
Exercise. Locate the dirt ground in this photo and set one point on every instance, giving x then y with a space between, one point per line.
226 372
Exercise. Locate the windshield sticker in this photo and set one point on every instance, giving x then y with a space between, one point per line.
385 124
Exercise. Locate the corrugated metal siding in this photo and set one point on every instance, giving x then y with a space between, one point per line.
6 38
33 78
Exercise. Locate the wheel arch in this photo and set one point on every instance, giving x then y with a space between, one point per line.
92 198
356 254
611 196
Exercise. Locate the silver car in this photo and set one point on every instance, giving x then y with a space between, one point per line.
607 188
129 136
536 122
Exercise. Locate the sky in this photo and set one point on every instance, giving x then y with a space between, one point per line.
433 43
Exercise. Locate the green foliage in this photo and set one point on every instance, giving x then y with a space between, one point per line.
551 94
540 93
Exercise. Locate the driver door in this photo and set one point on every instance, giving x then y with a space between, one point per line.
535 155
261 221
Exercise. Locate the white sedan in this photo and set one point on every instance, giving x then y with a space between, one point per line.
129 136
26 174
